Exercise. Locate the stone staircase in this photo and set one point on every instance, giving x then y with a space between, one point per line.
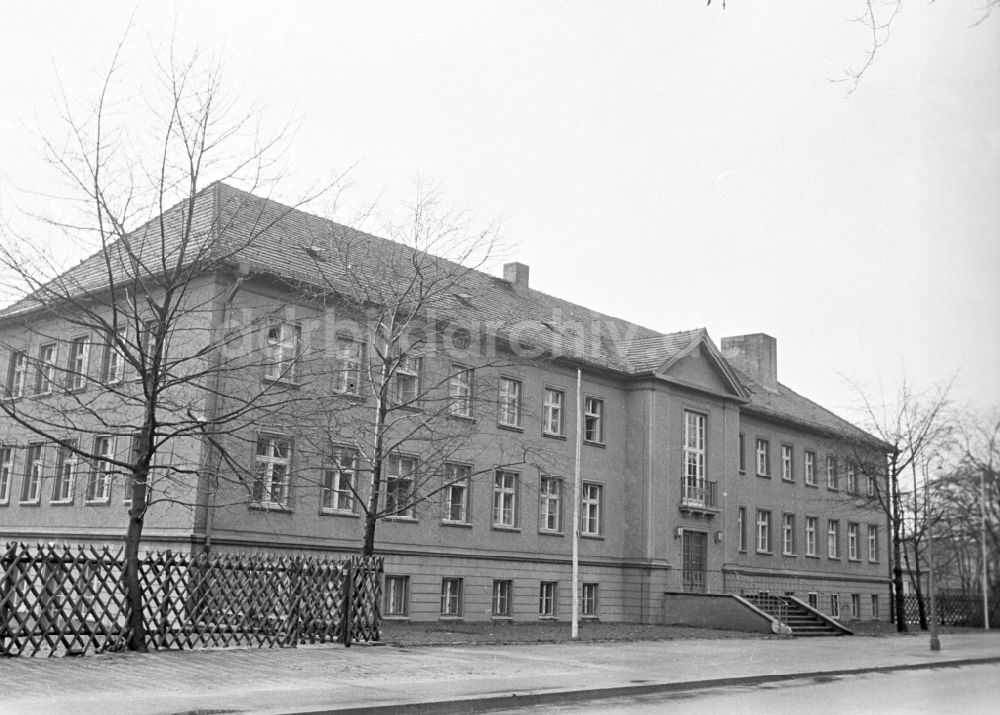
802 621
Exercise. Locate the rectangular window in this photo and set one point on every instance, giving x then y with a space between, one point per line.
510 402
505 485
741 519
834 605
552 411
852 541
399 475
813 600
460 391
6 473
763 531
788 534
875 606
872 543
871 485
743 453
763 458
284 341
65 478
17 373
855 605
451 597
113 369
502 595
547 599
588 600
550 504
810 468
347 375
339 480
831 473
852 479
34 466
590 509
833 539
593 420
694 458
787 472
45 372
407 381
99 483
456 493
811 526
76 367
397 596
273 461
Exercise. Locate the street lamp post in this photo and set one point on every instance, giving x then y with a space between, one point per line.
935 641
982 538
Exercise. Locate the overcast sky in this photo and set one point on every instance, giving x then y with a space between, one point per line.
677 165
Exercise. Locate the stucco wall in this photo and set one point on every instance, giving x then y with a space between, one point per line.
712 611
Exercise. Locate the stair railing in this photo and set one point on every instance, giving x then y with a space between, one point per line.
778 605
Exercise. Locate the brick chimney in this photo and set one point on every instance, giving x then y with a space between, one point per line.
756 355
516 274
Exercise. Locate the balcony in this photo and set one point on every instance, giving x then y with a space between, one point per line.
699 497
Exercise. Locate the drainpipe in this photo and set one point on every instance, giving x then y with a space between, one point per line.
211 500
575 629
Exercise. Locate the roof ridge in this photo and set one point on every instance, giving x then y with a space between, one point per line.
661 336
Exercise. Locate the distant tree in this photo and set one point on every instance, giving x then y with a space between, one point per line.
914 427
965 491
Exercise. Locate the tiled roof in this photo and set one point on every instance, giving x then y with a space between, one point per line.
788 405
234 226
144 247
538 318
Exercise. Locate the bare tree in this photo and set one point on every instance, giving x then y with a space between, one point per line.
416 369
968 495
914 426
877 17
148 307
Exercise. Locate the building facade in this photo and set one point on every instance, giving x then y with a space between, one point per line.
700 472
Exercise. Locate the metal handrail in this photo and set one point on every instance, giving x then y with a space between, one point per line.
703 494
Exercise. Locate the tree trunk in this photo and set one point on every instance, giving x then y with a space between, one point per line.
897 566
914 571
368 543
378 459
134 600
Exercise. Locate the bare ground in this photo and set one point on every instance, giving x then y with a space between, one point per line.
406 633
503 633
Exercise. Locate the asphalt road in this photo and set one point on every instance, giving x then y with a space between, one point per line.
968 690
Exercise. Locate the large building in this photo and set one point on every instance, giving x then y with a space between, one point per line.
700 471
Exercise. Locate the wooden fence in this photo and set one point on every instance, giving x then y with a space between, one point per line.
55 600
952 610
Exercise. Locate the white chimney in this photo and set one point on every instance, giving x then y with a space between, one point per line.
516 274
756 355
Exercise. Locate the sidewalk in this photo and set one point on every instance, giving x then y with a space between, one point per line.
332 677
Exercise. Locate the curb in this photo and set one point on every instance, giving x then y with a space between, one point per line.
515 700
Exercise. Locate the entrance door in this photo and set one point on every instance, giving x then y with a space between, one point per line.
693 560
